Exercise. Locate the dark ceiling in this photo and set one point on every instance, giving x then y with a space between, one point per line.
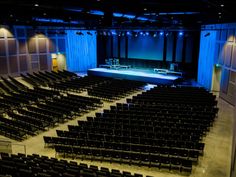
118 13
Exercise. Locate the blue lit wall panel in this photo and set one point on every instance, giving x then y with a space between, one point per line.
189 50
146 47
115 46
206 58
179 49
81 51
169 48
122 47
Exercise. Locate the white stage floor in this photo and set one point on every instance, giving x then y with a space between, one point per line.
144 75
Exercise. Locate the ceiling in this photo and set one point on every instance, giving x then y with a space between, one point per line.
99 14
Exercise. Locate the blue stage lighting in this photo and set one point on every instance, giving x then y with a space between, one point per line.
147 33
181 33
141 33
128 33
161 33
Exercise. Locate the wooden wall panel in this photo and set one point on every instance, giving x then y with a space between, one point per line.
12 47
13 64
23 63
43 62
2 48
3 65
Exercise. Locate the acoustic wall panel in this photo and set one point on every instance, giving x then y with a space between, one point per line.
43 62
227 55
2 48
232 77
12 47
13 64
32 45
221 54
233 57
20 32
52 45
35 66
22 46
223 35
225 81
23 63
61 45
230 35
42 43
2 32
3 65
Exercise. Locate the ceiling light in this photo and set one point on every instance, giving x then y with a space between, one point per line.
222 5
219 13
145 9
36 5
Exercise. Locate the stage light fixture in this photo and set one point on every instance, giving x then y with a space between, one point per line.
161 33
128 33
147 33
89 33
207 34
141 33
79 33
155 34
181 33
136 35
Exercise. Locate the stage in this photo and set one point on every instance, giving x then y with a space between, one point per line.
144 75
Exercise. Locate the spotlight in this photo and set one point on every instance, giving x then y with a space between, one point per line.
161 33
155 35
89 33
147 33
128 33
141 33
113 33
181 33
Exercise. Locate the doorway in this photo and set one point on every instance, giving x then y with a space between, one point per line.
216 78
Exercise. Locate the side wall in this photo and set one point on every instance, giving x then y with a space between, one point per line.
218 49
24 49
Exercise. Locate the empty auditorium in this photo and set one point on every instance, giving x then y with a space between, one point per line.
108 88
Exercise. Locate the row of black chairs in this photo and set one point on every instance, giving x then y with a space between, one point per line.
20 165
145 126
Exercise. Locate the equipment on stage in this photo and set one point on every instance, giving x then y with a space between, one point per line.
114 63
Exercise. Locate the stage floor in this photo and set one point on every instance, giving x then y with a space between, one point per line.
144 75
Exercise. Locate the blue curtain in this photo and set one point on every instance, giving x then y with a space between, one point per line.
206 58
81 50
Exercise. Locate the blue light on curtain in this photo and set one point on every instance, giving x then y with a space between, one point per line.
206 58
81 50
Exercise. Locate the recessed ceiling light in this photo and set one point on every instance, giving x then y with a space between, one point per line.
222 5
44 14
36 5
219 13
219 16
145 9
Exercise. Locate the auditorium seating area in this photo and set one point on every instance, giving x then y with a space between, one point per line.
161 128
42 166
52 98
